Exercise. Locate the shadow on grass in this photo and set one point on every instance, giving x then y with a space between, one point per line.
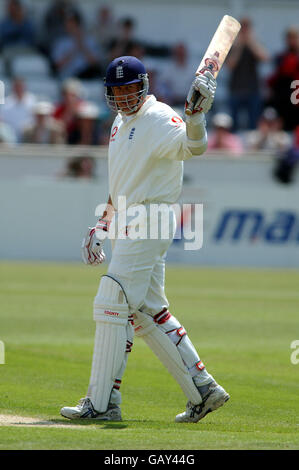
102 424
92 423
79 423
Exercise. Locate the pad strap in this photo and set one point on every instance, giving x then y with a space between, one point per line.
164 348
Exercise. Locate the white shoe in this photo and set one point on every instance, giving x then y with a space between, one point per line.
213 396
85 409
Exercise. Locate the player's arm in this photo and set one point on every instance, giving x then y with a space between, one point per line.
258 50
107 214
235 54
196 133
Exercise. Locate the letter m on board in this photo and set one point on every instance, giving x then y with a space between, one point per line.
237 223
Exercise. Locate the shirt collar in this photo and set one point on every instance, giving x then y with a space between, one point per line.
151 100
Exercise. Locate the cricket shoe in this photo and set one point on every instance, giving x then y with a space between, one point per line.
85 409
213 396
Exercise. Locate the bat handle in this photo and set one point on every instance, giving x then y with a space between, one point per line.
196 94
194 98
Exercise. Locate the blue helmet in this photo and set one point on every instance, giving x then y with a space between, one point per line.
126 70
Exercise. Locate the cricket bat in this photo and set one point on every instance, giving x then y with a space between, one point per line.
216 53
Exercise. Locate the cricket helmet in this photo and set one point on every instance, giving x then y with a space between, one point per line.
122 71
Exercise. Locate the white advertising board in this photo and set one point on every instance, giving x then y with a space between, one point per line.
249 219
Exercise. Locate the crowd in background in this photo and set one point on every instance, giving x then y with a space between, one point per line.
256 113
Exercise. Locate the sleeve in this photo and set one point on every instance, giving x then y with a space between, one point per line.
91 45
172 140
4 32
60 49
29 32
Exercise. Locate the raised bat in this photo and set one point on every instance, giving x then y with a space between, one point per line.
216 53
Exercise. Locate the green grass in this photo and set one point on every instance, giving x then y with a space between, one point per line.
241 321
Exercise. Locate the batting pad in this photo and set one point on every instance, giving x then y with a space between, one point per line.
113 332
167 352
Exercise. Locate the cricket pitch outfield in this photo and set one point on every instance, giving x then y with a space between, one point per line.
241 321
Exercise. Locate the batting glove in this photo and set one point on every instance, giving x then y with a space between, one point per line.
206 85
102 228
92 248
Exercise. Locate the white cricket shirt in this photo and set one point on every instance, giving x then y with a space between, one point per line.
145 155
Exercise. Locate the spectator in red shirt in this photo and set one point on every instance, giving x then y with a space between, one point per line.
66 110
86 129
287 70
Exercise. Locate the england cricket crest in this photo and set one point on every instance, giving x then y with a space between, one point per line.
119 71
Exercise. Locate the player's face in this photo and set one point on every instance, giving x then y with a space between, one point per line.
126 97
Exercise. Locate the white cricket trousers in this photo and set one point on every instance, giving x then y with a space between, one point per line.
139 265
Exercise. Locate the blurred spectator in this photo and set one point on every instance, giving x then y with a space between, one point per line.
286 165
76 54
55 17
80 167
7 134
105 130
269 134
104 30
123 40
221 137
244 83
287 70
85 131
136 49
66 110
125 37
45 129
16 29
157 86
17 111
179 75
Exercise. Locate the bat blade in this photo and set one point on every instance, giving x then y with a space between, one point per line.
216 52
